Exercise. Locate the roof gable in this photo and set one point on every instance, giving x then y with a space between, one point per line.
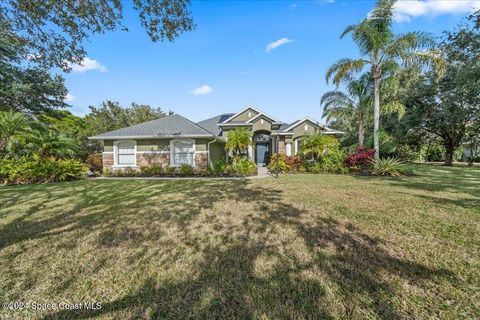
302 121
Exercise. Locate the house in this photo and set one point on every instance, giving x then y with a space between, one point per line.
175 140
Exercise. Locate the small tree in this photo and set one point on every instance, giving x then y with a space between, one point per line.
315 144
238 141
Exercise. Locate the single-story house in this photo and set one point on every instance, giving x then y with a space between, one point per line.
174 140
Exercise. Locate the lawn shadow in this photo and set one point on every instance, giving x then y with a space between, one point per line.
227 283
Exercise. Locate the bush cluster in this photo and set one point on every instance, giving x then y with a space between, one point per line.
362 160
331 161
240 167
36 169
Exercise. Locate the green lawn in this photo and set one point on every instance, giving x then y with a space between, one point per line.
303 247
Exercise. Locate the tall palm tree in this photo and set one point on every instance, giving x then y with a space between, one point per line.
352 106
238 141
382 50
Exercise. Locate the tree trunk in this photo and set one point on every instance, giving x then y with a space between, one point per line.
361 134
449 155
376 111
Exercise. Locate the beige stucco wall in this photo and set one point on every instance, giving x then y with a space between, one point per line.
299 130
244 115
259 126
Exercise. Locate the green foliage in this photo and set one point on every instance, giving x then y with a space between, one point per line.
333 161
217 168
53 32
316 144
241 167
238 141
125 172
35 169
387 167
15 127
106 172
47 143
111 115
186 170
286 164
170 169
152 170
24 87
383 52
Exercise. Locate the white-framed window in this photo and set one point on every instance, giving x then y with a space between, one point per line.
298 144
182 152
125 153
289 149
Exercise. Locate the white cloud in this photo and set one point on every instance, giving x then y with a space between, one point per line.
205 89
405 10
88 64
244 72
69 97
278 43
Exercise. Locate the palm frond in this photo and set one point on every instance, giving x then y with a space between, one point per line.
344 68
394 106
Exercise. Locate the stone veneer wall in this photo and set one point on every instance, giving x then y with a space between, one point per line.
201 160
149 158
146 159
281 145
107 160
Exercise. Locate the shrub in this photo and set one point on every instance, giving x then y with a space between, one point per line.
106 172
170 169
241 167
217 168
361 160
125 172
94 162
153 170
186 170
387 167
286 164
314 167
36 169
333 161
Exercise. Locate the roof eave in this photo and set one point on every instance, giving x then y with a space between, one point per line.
153 137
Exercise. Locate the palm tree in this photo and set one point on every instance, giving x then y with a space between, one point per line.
382 50
238 141
14 128
48 142
317 143
353 106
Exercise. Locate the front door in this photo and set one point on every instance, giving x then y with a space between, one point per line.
262 153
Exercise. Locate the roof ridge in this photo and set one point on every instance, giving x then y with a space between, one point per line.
194 123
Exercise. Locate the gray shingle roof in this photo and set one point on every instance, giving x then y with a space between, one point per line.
211 124
169 126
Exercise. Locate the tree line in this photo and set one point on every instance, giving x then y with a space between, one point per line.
407 92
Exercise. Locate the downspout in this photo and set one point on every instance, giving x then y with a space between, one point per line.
208 149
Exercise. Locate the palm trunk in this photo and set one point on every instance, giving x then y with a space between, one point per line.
361 134
376 111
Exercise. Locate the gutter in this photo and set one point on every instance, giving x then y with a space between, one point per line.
208 149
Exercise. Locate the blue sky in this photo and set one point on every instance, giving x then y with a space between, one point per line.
227 63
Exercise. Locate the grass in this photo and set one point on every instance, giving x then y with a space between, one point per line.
303 247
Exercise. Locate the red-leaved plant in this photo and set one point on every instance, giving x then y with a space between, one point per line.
362 159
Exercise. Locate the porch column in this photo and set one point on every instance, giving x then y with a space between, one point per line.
250 152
